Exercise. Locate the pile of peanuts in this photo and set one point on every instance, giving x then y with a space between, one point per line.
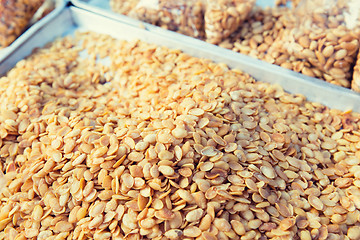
15 16
184 16
210 20
224 17
162 145
328 51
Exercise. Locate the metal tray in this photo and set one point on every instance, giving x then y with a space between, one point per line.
70 18
29 31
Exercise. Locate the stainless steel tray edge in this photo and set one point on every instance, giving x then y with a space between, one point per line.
75 17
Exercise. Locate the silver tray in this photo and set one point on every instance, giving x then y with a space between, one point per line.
59 6
70 18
